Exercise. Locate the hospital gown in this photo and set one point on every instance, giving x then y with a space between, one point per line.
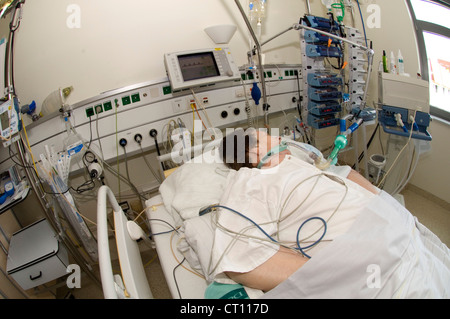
373 247
264 196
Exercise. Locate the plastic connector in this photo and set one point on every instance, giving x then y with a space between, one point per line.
153 133
123 142
135 231
138 138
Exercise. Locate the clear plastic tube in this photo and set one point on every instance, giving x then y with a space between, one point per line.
318 160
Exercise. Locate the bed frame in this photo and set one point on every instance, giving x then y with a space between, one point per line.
182 283
134 284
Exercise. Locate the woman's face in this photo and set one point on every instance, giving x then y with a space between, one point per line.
265 143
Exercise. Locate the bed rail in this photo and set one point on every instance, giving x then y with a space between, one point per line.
180 154
135 283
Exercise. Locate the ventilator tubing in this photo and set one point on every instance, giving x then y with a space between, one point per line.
318 160
339 143
277 149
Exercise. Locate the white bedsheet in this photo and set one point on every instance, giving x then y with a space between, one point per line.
387 253
183 284
201 182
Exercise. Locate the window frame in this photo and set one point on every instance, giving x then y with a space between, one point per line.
421 27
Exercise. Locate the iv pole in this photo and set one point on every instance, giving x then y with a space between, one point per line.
261 70
341 140
29 172
298 26
370 52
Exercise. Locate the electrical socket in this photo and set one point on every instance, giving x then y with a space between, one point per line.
180 105
240 92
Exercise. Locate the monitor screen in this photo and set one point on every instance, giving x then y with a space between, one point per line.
5 121
198 66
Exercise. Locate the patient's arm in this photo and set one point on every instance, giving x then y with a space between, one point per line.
361 181
271 273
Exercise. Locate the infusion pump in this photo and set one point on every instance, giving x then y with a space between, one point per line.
10 123
188 69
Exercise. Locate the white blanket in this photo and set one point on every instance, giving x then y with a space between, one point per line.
387 253
192 187
280 200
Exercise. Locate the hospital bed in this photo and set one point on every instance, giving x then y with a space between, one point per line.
189 188
183 281
405 260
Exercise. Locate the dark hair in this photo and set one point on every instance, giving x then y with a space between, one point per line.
235 148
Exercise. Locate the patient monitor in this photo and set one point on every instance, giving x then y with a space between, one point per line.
195 68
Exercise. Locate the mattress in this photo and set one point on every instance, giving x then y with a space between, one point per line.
182 283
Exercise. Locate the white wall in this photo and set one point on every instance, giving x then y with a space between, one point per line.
122 42
433 171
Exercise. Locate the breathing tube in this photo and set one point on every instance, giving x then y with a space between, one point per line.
318 160
273 151
341 140
339 143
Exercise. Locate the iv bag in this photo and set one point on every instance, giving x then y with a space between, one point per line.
256 9
73 143
327 3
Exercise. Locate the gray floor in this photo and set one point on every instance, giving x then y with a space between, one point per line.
430 211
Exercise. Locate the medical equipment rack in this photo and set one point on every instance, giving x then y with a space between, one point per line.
321 87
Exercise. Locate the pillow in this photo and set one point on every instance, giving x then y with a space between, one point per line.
194 185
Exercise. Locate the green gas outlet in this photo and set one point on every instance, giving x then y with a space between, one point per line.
126 100
136 98
167 90
90 111
107 106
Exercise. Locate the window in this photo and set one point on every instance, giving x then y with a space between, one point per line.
432 22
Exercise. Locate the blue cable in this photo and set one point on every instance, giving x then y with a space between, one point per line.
249 219
362 20
317 241
299 248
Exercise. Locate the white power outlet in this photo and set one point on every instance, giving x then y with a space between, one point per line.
179 105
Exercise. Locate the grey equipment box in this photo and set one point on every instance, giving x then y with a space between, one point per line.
35 256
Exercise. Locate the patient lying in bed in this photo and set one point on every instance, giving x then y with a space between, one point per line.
298 208
260 195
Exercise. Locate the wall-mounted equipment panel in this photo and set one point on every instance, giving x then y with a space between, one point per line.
137 109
